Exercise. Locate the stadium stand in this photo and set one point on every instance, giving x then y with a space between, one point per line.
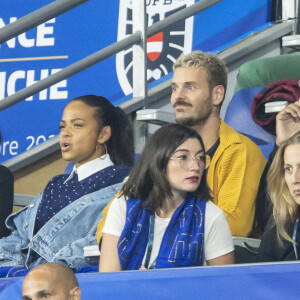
265 281
253 76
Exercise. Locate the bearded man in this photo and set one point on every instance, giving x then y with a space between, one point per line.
198 90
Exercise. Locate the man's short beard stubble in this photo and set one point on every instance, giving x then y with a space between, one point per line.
189 122
201 120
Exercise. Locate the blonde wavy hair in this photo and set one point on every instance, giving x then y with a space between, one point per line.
216 71
285 209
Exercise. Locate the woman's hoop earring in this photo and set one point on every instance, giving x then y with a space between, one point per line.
105 151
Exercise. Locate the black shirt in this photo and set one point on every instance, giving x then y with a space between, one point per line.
6 198
211 152
271 251
263 204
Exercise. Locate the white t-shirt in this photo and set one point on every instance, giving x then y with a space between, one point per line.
217 234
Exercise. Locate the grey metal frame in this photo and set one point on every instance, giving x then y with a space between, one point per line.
71 70
256 40
139 77
161 91
23 199
135 38
138 38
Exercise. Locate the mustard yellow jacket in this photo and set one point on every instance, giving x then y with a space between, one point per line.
233 176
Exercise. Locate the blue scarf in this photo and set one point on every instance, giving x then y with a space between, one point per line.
183 241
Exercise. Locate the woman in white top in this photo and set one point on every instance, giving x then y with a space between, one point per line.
164 218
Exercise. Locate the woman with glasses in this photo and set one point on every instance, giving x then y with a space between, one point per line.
163 218
281 241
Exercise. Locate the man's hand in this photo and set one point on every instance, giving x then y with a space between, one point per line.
287 122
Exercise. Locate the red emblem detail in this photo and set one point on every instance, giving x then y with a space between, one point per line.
154 46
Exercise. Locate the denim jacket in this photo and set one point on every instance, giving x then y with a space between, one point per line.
61 239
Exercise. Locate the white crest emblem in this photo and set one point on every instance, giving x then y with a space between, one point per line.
163 48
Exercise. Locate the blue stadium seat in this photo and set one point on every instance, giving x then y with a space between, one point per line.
238 116
253 76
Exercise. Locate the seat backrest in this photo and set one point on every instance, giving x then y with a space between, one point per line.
263 71
245 249
238 116
22 200
253 76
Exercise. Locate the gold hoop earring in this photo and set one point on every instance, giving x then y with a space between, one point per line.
105 151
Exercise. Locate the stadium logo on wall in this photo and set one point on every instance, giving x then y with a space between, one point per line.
163 48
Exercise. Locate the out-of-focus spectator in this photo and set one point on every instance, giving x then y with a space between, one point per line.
287 124
51 281
6 196
281 241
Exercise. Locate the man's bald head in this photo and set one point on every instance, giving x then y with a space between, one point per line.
51 280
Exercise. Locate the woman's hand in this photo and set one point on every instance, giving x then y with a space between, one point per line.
142 268
287 122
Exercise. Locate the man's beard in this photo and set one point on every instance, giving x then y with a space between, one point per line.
189 122
200 120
